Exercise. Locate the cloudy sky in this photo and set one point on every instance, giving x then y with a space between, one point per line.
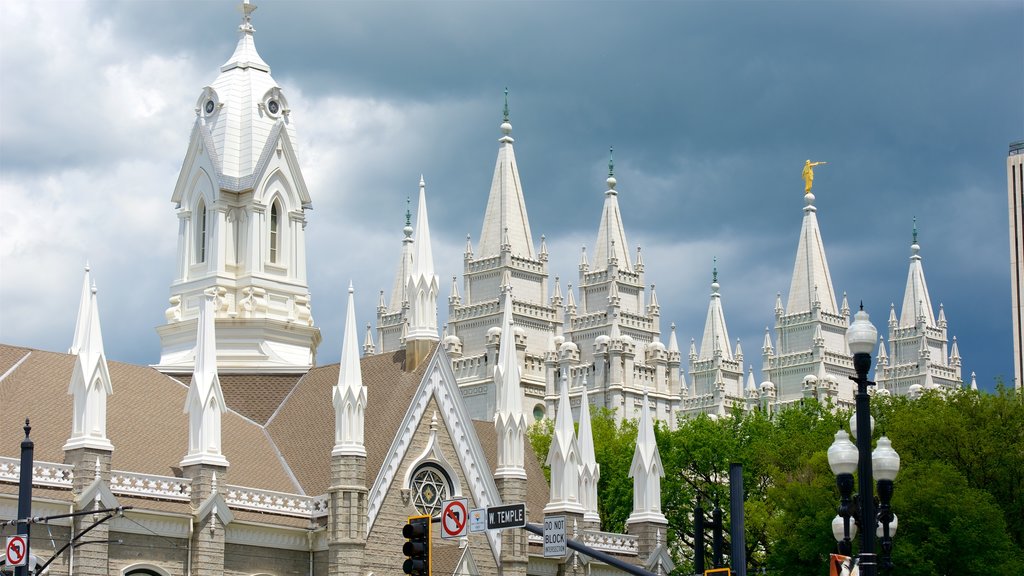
712 107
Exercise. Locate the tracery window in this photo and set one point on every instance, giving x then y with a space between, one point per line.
430 487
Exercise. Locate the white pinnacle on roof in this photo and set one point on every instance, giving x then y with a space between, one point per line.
399 299
505 216
509 420
646 471
349 394
564 459
422 284
811 279
590 470
673 343
916 301
716 335
611 235
90 380
205 401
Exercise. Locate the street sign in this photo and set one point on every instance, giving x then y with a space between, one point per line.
554 537
454 518
508 516
478 520
17 550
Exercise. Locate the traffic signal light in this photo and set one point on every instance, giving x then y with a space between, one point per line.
417 546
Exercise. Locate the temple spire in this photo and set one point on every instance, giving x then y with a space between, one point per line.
90 380
509 420
716 335
646 471
811 280
422 283
205 401
564 459
349 394
506 207
916 301
611 242
590 470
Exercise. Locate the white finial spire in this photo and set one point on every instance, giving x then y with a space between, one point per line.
369 348
590 470
716 334
509 420
422 287
90 380
205 402
974 382
646 471
564 459
349 395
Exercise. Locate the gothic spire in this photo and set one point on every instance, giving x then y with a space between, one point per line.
646 471
564 459
399 298
205 402
349 394
916 301
509 419
811 278
590 470
506 208
422 285
716 335
90 380
611 235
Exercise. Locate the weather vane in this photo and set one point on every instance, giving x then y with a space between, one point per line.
808 174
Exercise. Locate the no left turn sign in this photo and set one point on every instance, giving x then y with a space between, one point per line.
455 518
17 550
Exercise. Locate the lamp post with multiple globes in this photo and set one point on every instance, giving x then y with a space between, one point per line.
845 458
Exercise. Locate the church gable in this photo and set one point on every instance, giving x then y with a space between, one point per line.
436 391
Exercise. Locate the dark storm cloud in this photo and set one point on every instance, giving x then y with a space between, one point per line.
711 106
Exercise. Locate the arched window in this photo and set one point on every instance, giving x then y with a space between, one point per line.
275 231
201 232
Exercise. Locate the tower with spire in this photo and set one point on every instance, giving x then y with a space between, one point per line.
615 329
504 257
919 351
241 201
716 371
809 357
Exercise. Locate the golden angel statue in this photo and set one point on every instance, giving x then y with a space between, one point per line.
808 174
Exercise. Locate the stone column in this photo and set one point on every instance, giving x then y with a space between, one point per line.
346 520
89 464
208 533
514 557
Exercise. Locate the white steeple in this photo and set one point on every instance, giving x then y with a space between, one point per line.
811 279
564 459
611 235
646 471
590 470
90 380
205 401
422 285
917 304
716 334
509 420
241 203
349 395
505 216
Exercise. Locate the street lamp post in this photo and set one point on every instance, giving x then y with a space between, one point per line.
861 337
844 458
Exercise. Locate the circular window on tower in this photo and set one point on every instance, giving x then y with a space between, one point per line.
538 412
430 487
273 107
209 106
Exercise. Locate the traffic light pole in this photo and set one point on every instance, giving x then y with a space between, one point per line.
595 554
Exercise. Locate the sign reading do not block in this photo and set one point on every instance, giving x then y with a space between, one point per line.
554 537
